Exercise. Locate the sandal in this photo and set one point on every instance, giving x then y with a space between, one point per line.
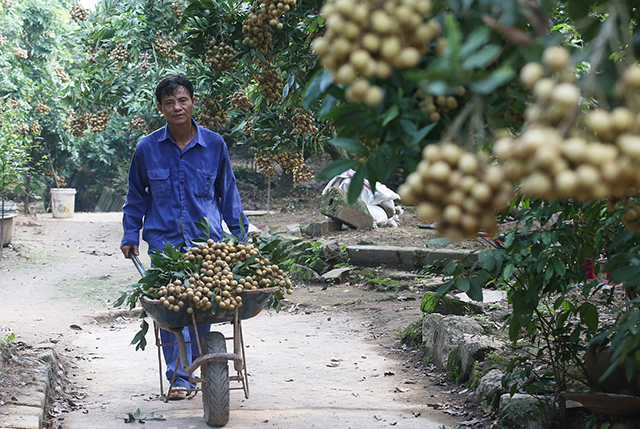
177 393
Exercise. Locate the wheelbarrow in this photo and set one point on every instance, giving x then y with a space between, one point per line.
214 380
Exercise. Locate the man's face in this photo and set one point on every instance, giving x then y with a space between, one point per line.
177 108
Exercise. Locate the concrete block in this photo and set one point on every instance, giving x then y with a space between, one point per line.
406 257
335 205
20 417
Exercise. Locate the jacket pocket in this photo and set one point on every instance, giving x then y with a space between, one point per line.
204 183
160 182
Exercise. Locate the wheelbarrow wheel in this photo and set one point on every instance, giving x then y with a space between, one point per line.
215 376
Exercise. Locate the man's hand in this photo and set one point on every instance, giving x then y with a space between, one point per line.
127 250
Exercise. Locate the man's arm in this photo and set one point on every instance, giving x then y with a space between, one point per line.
135 205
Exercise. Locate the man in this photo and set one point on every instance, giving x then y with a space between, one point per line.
178 174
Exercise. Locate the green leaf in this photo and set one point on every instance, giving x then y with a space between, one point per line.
559 267
355 186
350 145
422 133
480 59
139 338
493 81
463 284
589 315
475 291
508 271
391 114
336 167
317 86
476 39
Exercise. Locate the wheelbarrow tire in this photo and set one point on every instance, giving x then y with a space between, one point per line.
215 375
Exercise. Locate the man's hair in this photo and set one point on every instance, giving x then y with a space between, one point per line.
170 84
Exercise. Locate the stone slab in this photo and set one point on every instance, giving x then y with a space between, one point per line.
406 257
337 275
319 229
20 417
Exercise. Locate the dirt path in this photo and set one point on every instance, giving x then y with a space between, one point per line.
324 367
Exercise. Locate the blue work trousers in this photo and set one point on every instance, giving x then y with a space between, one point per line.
171 353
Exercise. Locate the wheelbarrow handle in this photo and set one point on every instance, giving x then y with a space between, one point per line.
136 262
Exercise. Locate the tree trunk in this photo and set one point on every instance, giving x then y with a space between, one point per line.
26 198
284 185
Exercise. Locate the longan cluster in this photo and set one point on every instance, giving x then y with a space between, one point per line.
176 295
219 56
164 46
62 75
274 9
302 173
36 129
144 63
42 108
271 83
434 107
137 123
556 97
20 53
567 154
366 38
289 160
303 122
98 121
218 260
78 13
631 218
239 100
78 124
458 189
119 54
247 128
265 163
3 40
257 30
178 10
211 114
23 128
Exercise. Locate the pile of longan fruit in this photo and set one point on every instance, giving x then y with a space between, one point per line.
215 282
458 189
368 38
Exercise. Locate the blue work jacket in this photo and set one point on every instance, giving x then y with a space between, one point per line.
169 190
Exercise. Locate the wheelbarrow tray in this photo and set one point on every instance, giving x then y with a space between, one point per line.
253 301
